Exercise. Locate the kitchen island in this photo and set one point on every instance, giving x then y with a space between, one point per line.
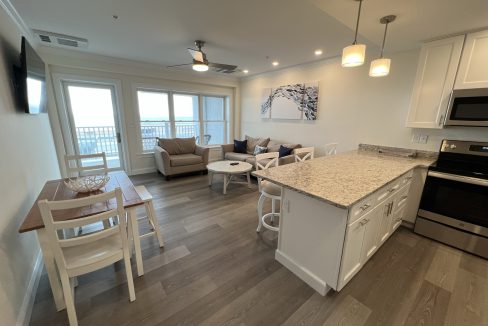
336 211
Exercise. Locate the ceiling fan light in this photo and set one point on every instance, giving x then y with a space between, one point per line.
200 67
353 55
380 67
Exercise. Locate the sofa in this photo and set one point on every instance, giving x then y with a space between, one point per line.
228 152
180 155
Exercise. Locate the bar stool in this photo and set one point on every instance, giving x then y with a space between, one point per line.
268 190
331 149
303 154
151 215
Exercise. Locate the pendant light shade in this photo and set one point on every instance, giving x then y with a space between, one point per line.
353 55
381 66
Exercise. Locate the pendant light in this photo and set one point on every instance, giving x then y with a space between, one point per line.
381 66
353 55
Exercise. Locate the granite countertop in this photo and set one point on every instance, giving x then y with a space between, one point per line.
343 179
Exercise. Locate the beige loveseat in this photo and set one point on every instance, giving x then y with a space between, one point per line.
180 155
271 145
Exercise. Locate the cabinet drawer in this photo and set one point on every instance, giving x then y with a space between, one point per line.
402 198
406 178
362 208
388 190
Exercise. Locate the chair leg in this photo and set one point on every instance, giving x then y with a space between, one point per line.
260 213
128 273
273 210
151 214
69 299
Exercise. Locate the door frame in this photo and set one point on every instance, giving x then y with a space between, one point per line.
65 115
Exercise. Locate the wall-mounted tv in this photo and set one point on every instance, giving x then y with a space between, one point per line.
31 80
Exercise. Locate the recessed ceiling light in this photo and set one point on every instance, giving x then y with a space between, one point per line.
318 52
245 71
275 63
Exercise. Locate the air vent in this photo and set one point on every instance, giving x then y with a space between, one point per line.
55 39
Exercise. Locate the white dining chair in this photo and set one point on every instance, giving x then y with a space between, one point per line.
267 190
76 164
331 149
84 254
304 153
150 215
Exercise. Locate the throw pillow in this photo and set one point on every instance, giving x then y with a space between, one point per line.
253 142
285 151
240 146
259 150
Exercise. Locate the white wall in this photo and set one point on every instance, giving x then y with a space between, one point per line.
353 107
27 160
127 75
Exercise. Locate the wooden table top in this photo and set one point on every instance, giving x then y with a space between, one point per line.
57 190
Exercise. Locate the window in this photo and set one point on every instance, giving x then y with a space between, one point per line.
213 119
154 117
168 115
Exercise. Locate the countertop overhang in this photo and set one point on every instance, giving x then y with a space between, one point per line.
344 179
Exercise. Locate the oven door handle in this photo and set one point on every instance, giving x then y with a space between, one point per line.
459 178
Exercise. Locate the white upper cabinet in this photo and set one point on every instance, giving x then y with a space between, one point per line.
473 69
436 73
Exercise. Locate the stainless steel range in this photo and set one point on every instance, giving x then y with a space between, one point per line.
454 204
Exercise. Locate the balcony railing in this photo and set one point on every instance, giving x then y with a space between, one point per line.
104 139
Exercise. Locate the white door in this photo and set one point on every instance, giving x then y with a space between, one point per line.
351 258
385 221
473 70
93 121
434 81
371 229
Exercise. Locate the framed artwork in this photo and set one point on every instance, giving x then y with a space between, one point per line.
294 101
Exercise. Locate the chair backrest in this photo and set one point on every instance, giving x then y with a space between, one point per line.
331 149
304 153
111 200
273 158
76 164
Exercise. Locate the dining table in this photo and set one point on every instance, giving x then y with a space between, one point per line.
55 190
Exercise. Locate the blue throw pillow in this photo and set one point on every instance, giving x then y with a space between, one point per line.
240 146
285 151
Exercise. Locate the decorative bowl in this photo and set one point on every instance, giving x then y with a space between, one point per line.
87 183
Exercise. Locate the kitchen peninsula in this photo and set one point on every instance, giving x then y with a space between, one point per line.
338 210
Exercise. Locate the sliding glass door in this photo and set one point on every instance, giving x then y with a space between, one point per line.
92 115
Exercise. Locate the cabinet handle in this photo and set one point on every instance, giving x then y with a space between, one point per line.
365 207
390 208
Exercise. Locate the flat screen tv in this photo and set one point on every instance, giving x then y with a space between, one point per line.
31 80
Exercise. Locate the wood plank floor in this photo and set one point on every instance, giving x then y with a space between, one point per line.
215 270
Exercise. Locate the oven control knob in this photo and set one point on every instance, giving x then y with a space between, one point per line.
453 146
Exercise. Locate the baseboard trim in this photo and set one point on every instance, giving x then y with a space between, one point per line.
23 318
304 274
142 171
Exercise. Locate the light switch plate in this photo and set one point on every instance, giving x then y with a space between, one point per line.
423 139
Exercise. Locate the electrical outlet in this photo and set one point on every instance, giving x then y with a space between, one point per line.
423 139
415 138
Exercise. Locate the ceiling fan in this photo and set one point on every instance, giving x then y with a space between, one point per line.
200 62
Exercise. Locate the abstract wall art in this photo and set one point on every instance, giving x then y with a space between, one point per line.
295 101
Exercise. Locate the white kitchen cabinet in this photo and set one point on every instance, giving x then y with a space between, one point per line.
473 70
385 221
371 228
351 257
436 73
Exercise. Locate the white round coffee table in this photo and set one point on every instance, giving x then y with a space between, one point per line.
228 170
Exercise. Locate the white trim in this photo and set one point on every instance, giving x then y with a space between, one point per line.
17 19
304 274
25 312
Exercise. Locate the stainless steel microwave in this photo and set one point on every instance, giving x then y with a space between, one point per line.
468 107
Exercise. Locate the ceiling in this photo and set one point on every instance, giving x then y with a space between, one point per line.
251 33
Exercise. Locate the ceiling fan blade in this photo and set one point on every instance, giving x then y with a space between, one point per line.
197 55
221 67
183 64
